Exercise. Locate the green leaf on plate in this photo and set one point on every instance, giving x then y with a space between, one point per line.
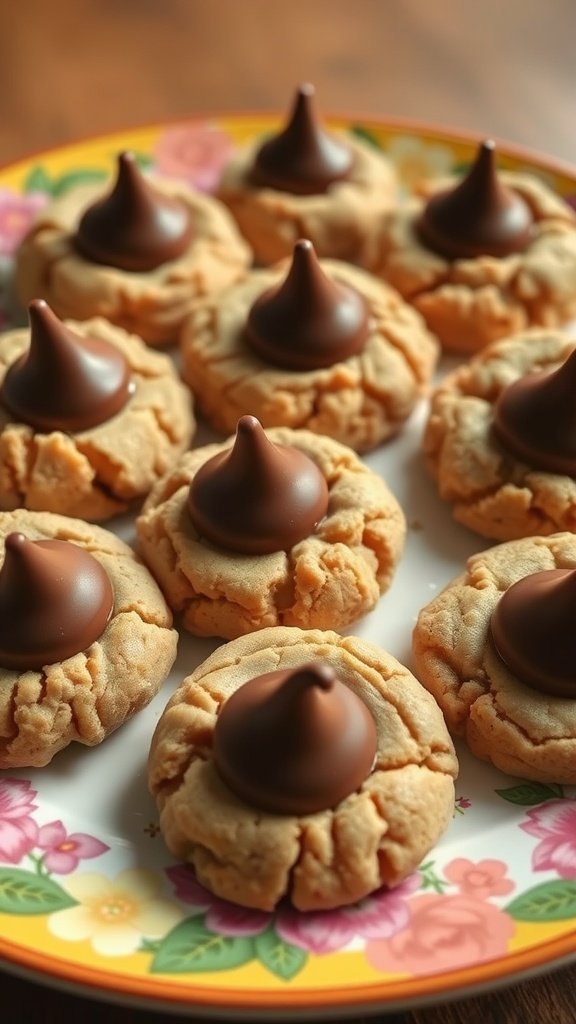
550 901
190 947
461 168
279 957
37 180
73 178
527 794
365 135
144 161
24 892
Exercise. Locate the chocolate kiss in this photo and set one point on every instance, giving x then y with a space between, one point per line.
480 217
308 321
302 158
295 742
65 381
257 497
55 601
533 631
535 418
134 227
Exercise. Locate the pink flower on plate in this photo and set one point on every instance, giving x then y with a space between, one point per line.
63 851
196 152
222 917
482 878
554 823
16 215
444 933
379 916
18 830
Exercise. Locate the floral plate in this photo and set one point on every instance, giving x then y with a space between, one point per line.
89 896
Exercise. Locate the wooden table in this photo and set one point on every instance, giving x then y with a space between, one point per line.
73 68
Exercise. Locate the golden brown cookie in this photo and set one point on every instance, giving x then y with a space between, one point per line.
375 836
339 221
470 302
85 697
520 730
490 489
327 580
360 401
151 304
98 472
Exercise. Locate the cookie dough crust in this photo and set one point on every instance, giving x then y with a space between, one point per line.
376 836
521 731
469 303
339 222
97 473
490 490
152 304
327 580
360 401
87 696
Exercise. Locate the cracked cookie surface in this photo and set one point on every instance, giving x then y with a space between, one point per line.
376 836
151 304
96 473
338 222
490 489
359 401
520 730
84 698
327 580
468 303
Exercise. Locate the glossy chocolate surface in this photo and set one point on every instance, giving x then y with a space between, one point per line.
257 497
303 158
535 419
309 320
533 631
479 217
65 381
295 742
134 227
55 601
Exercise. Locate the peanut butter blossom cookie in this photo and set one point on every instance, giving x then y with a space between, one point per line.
501 437
497 649
314 344
307 181
481 259
275 528
139 255
85 636
302 765
90 418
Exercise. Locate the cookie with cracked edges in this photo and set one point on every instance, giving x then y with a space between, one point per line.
375 836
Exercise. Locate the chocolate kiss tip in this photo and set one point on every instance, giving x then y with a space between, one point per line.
295 741
55 601
308 321
302 158
65 381
535 418
532 627
480 216
322 676
133 227
257 497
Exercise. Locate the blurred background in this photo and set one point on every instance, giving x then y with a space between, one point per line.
71 68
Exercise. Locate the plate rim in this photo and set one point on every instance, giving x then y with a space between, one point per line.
414 126
89 980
